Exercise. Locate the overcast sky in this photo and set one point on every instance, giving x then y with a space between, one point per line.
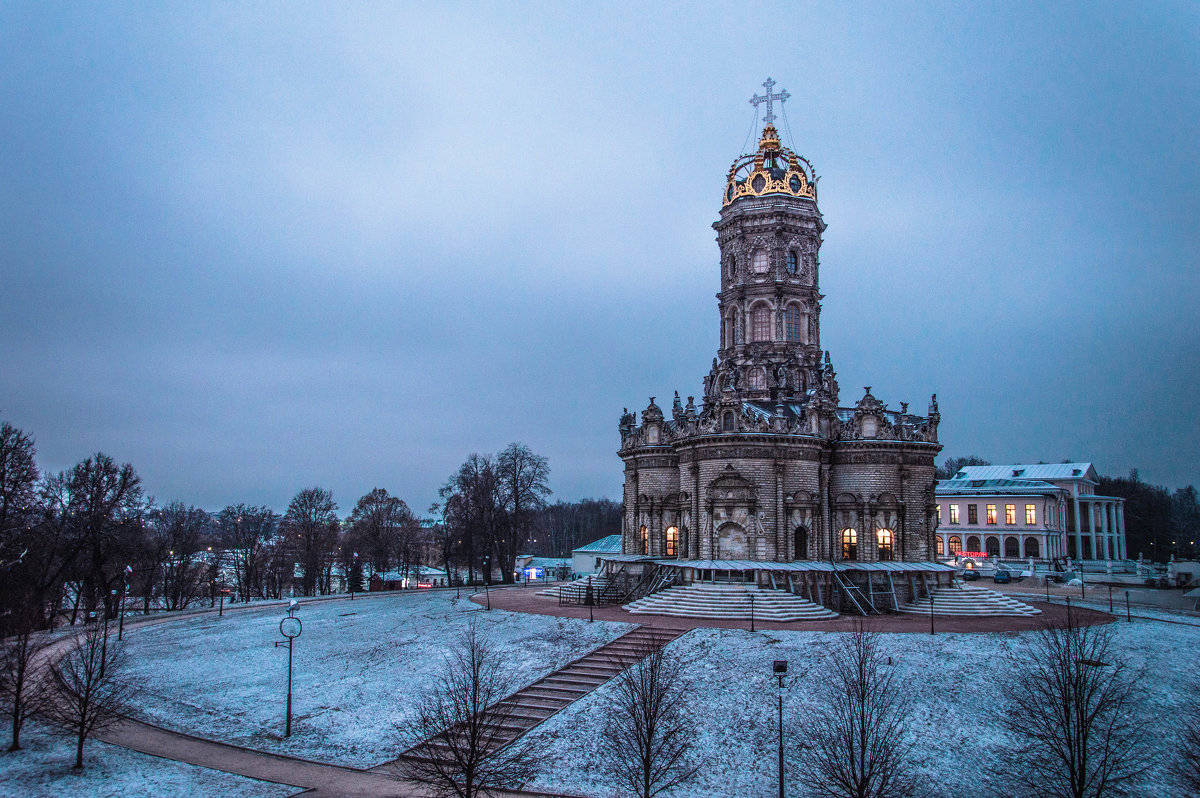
256 247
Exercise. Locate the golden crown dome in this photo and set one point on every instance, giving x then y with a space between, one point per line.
774 169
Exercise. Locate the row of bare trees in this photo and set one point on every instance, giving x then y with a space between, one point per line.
1078 727
87 540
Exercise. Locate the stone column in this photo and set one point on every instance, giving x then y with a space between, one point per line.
1091 511
781 542
1121 549
1078 529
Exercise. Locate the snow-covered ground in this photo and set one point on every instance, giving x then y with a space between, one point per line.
359 668
958 682
42 769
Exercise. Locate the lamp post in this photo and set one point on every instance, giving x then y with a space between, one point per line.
290 627
931 611
487 579
589 597
124 589
780 670
751 612
353 575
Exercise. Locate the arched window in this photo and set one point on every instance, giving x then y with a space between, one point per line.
645 540
992 546
793 263
954 544
937 545
1031 547
759 261
1012 547
738 335
801 543
672 541
849 543
973 543
792 323
884 538
757 380
760 322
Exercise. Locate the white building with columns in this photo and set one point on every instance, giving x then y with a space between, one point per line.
1019 511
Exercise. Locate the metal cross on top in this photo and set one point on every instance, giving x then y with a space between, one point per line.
781 95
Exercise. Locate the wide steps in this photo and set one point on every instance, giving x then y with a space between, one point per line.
729 602
969 600
576 590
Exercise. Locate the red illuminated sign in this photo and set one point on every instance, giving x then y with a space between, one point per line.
972 554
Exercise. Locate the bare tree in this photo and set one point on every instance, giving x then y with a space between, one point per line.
245 532
311 526
1189 754
648 735
177 534
22 692
858 740
522 478
91 695
468 748
1079 732
953 465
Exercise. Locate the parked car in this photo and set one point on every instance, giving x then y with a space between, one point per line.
969 575
1002 577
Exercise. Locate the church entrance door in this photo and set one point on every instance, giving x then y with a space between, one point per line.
731 543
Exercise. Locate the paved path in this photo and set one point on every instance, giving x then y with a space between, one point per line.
527 601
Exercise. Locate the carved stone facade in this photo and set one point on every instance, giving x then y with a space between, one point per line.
769 467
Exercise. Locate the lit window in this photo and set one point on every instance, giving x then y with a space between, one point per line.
1030 514
884 538
937 542
955 544
672 540
1010 513
954 513
759 261
645 540
760 323
792 323
972 514
792 262
939 513
991 517
849 544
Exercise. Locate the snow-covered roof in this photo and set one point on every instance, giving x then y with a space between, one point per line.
607 545
985 487
417 570
550 562
1047 471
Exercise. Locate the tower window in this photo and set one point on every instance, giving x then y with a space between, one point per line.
792 323
792 262
760 262
760 323
757 380
738 334
727 422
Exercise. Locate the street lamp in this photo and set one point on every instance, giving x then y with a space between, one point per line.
751 612
353 575
290 627
124 589
487 579
780 670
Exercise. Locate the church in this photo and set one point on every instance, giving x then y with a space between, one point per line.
770 473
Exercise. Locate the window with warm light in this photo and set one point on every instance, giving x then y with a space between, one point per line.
760 322
1030 514
792 323
955 544
1010 513
991 513
672 540
937 545
883 538
939 513
954 513
645 540
849 544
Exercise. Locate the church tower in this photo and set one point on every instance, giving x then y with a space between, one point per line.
769 236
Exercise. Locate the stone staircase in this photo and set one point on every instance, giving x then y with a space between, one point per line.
528 707
575 591
970 600
729 602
